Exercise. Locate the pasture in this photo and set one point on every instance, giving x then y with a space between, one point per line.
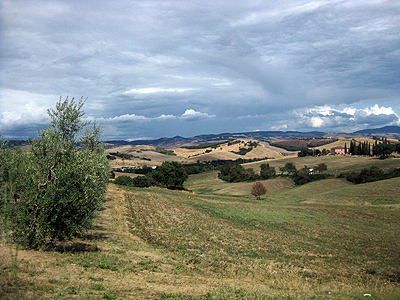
324 240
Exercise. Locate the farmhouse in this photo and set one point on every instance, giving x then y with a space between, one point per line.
339 150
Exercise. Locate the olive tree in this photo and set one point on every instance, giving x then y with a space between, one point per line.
58 186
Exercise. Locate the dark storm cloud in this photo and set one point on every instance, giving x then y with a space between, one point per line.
150 67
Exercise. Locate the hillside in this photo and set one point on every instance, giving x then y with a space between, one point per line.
387 131
227 146
139 155
328 239
324 240
272 136
277 157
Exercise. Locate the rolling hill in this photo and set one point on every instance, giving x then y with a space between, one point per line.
272 136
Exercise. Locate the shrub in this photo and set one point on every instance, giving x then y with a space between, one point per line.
300 177
58 187
123 180
141 181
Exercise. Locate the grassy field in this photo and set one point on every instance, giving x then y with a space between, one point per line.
324 240
336 164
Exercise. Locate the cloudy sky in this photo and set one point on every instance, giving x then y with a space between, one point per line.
153 69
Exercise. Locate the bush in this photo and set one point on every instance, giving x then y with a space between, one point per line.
141 181
123 180
299 178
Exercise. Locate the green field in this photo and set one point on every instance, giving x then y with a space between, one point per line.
328 239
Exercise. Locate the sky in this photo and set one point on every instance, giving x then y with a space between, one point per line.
152 69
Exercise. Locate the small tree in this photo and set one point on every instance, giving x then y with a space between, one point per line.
258 189
58 186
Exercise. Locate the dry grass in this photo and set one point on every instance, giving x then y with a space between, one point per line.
107 263
325 240
223 152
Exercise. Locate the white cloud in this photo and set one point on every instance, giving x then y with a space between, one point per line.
192 115
23 110
165 117
376 110
347 118
128 118
316 121
188 115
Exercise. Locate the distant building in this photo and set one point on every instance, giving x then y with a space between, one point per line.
339 150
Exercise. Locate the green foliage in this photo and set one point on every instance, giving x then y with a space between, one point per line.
237 173
383 150
172 175
233 173
143 170
243 151
123 180
141 181
289 167
309 152
370 175
360 148
57 186
266 171
207 145
302 177
165 151
305 175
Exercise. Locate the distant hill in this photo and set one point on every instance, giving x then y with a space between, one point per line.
273 136
178 141
383 130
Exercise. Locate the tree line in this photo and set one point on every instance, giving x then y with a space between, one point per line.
237 173
171 175
370 175
381 148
